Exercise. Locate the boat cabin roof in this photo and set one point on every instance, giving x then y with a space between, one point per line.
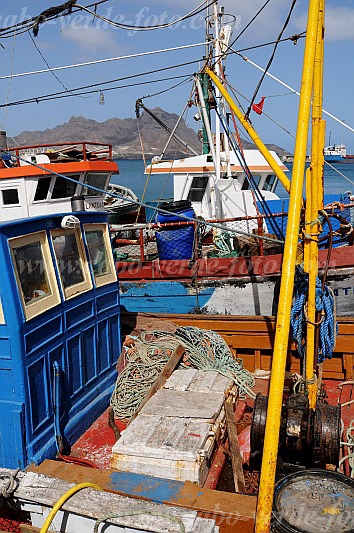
43 179
204 163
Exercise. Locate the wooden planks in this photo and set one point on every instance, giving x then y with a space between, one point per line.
236 460
26 528
231 511
162 378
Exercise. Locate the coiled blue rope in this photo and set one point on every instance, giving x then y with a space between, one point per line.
325 305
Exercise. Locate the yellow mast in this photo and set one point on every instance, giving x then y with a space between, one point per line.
271 439
314 202
251 131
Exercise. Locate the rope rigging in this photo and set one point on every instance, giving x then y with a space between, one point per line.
135 202
325 306
122 26
48 14
249 176
271 57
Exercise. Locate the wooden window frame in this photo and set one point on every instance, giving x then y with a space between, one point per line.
38 307
83 286
111 276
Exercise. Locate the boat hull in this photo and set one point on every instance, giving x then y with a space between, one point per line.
237 286
333 158
223 297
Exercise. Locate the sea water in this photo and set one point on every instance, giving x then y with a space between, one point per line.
337 179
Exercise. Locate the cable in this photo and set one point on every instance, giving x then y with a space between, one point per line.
9 87
194 11
101 84
27 24
168 89
46 62
63 499
271 57
135 202
68 95
249 23
99 61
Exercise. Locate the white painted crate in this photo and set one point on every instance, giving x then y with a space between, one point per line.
174 435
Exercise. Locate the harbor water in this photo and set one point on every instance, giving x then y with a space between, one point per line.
338 179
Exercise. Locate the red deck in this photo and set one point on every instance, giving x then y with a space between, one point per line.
96 444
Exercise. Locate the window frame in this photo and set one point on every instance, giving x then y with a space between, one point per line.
198 190
38 307
12 204
92 192
86 284
110 277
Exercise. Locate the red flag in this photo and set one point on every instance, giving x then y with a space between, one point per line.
258 108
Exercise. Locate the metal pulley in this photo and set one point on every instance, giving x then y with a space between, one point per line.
306 437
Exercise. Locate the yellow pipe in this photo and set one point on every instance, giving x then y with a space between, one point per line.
271 439
313 183
251 131
63 499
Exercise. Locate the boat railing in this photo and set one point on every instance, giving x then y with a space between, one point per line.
185 239
59 151
247 236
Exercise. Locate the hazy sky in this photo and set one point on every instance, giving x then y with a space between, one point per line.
81 38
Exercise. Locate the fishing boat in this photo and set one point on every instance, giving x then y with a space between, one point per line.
335 153
217 246
60 339
51 290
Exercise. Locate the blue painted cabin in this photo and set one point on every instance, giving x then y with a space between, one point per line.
59 332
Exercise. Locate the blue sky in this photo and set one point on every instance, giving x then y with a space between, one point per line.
81 38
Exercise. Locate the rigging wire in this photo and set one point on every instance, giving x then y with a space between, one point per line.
28 24
100 84
249 176
10 83
185 77
249 23
120 25
235 93
135 202
55 76
46 97
287 20
168 89
99 61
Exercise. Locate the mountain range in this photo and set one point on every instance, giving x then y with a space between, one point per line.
123 134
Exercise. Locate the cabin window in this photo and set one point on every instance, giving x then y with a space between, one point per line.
96 179
42 189
64 188
34 273
246 186
10 197
198 188
269 182
71 261
100 252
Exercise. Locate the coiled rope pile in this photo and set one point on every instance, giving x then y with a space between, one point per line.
148 354
325 306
